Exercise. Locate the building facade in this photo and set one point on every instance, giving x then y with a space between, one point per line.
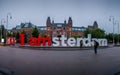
94 26
52 29
58 29
66 28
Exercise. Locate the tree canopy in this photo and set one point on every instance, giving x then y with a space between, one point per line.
35 32
96 33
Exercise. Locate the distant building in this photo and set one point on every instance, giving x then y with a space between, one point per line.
27 27
58 29
67 29
78 31
52 29
42 31
94 26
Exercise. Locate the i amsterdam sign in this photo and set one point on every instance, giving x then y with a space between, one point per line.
62 41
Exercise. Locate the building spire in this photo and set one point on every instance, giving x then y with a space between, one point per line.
95 25
52 21
48 20
70 20
65 22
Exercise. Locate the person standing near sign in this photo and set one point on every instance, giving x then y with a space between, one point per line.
96 44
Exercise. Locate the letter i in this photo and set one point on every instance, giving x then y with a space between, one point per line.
22 39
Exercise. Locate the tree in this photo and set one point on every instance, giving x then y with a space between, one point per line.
14 34
17 36
96 33
88 32
43 35
9 35
3 31
35 32
110 38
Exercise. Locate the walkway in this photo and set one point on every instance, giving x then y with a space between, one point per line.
78 62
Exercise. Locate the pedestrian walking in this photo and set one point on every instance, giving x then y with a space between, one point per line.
96 44
81 44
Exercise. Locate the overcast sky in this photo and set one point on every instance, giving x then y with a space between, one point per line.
83 12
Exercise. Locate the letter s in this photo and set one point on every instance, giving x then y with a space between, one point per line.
55 41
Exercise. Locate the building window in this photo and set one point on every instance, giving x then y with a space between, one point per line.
44 28
79 29
59 25
26 25
73 29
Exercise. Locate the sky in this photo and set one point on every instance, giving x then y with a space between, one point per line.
83 12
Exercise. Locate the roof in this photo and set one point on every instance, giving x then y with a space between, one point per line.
18 27
90 27
24 25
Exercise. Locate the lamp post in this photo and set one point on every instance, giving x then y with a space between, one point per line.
117 23
2 20
112 19
118 33
8 16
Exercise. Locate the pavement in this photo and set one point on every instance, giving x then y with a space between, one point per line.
64 62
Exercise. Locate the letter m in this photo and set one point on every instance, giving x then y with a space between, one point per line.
46 40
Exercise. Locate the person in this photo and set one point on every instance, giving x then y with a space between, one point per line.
96 44
81 44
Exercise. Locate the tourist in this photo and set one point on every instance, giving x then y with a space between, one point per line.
96 44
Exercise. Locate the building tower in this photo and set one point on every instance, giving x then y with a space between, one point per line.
95 25
48 24
70 23
65 22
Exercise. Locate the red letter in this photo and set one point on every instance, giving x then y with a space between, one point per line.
33 41
38 41
44 40
12 40
22 39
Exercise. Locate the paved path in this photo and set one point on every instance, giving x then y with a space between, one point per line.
40 62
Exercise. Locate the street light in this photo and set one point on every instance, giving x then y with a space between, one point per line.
8 16
112 19
2 20
116 22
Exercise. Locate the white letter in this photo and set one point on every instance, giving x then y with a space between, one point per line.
87 41
71 41
55 41
102 42
79 41
94 39
2 40
63 40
